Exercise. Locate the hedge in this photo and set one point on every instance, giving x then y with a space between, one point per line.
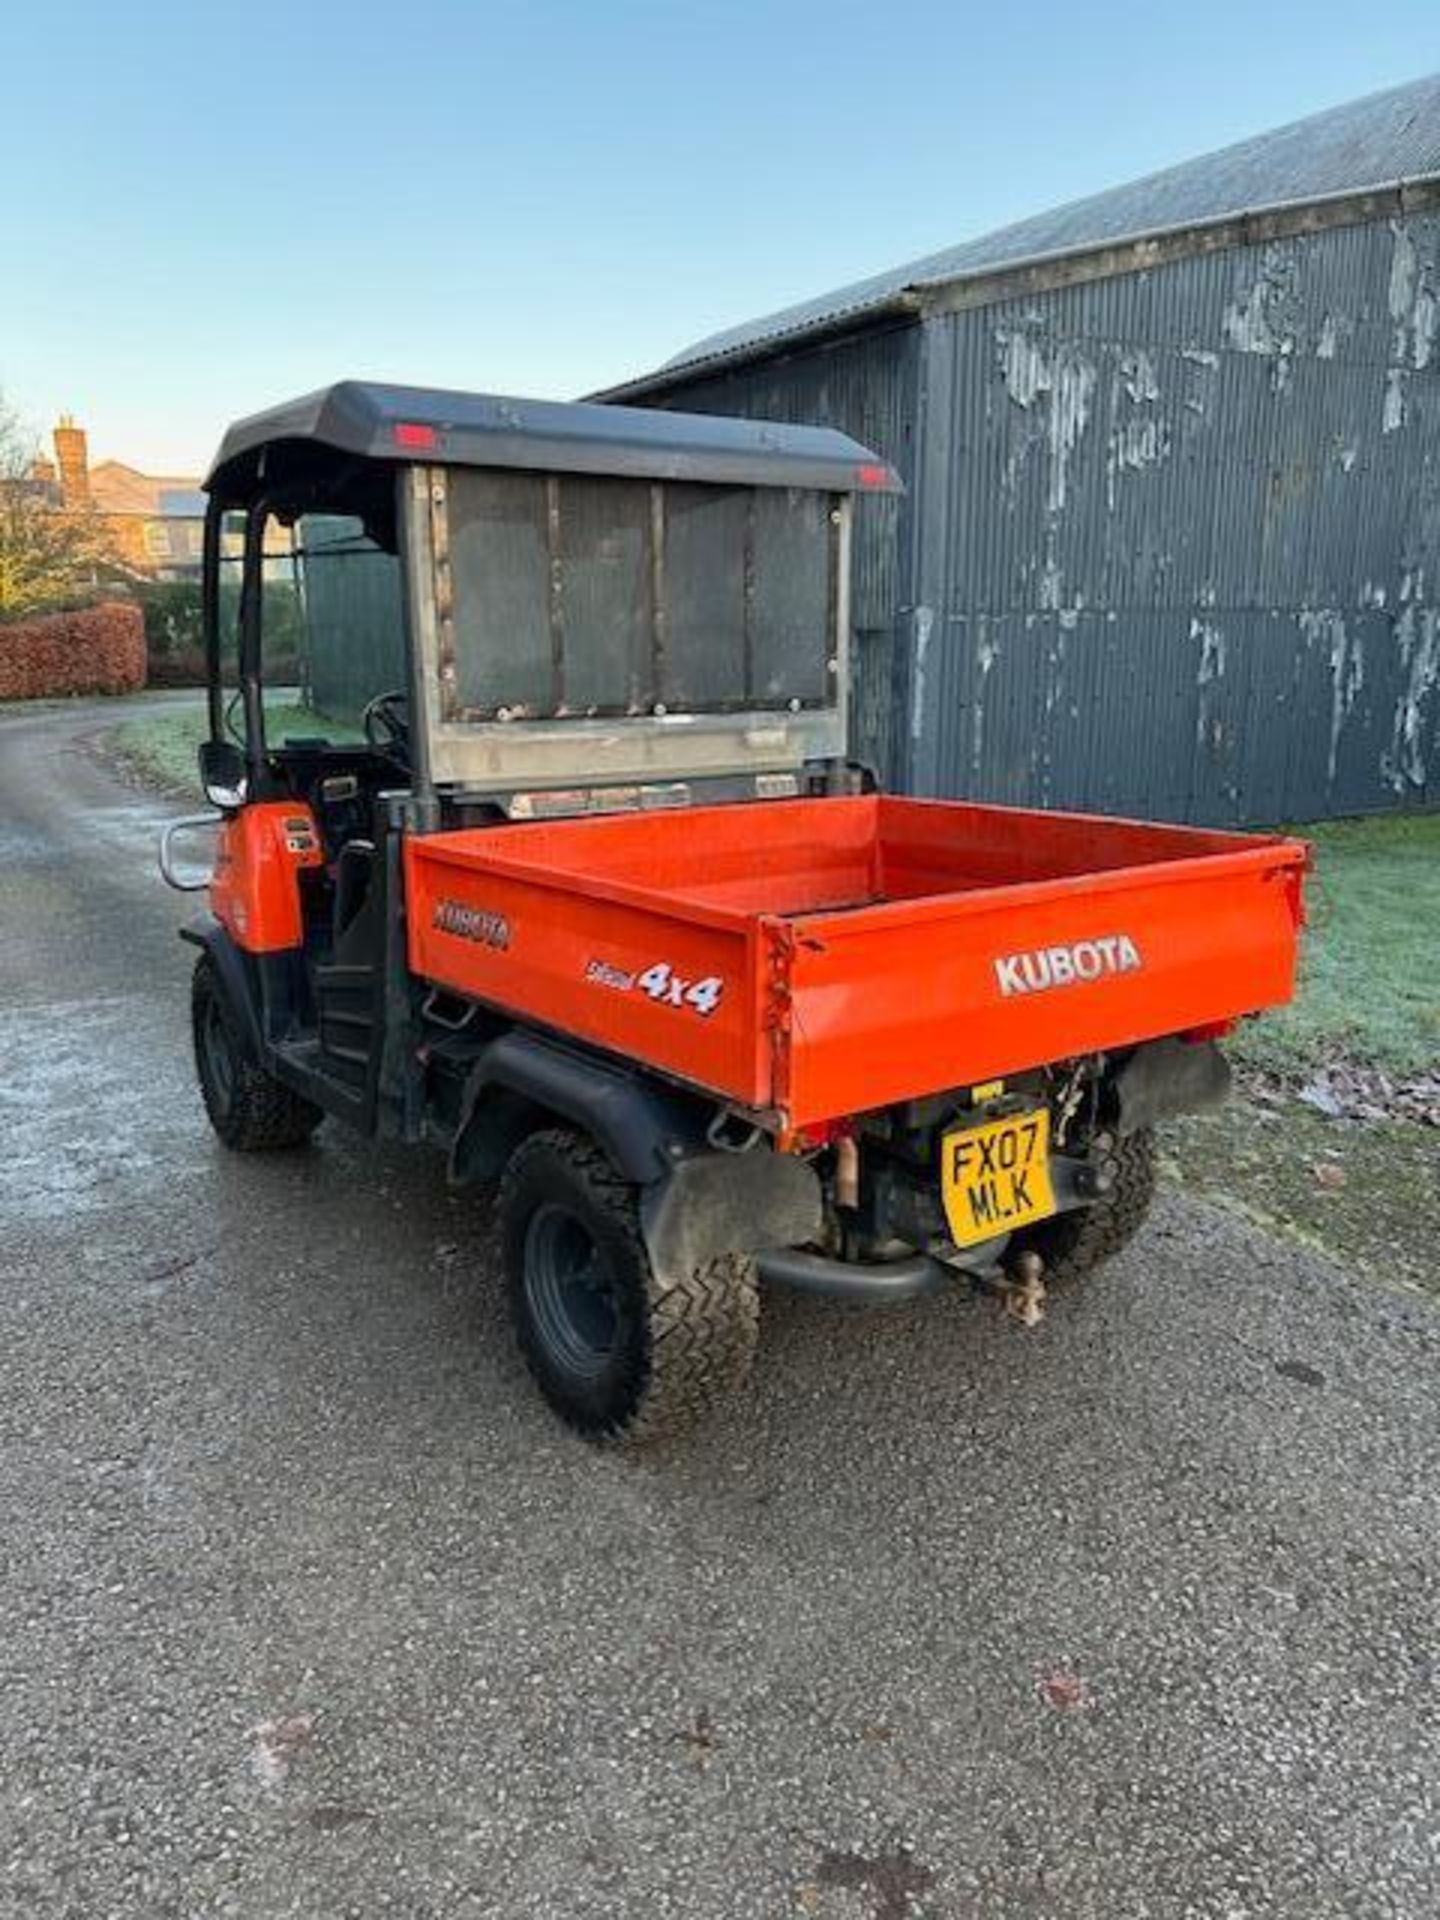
175 639
91 650
174 642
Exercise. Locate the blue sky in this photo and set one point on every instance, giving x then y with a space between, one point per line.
205 210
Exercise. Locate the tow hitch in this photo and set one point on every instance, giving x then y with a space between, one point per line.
1020 1286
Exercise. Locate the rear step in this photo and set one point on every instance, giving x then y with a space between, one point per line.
303 1065
345 999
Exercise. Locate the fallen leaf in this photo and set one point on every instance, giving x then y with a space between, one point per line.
1064 1691
277 1742
1319 1094
1302 1371
699 1736
1346 1091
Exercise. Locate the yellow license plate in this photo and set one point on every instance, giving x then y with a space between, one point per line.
996 1177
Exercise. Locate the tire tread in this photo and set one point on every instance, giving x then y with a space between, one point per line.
702 1327
265 1116
1075 1244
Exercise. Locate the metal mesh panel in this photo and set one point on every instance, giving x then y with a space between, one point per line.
706 531
500 561
576 595
790 587
604 582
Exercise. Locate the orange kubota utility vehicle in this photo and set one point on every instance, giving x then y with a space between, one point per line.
591 897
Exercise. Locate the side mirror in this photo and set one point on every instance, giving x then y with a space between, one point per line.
222 774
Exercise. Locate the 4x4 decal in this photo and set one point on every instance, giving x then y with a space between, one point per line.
663 985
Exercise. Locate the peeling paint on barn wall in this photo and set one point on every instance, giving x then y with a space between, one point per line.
1347 667
1413 299
1062 383
1209 724
1212 474
1413 743
1174 542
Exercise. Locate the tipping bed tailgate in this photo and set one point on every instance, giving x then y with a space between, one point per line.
912 998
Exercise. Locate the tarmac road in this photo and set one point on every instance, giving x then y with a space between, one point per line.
309 1608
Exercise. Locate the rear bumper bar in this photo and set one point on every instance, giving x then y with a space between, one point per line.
904 1279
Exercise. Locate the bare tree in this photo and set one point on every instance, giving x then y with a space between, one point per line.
50 555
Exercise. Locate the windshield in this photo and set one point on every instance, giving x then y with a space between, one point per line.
351 628
577 595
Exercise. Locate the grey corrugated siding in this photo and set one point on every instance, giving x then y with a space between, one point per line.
866 387
1181 540
1172 545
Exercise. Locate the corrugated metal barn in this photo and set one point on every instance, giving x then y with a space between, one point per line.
1171 543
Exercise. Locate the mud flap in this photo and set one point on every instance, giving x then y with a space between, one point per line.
714 1203
1166 1077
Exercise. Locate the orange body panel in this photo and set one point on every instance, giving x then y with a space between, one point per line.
255 887
816 958
548 948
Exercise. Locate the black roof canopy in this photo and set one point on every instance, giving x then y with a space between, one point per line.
429 426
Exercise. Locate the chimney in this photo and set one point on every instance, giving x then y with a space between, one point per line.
74 462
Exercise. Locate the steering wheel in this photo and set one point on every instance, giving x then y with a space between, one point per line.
386 724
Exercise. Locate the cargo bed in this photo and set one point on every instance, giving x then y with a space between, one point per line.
814 958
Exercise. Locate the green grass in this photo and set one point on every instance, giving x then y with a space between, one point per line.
161 747
1369 1196
1369 980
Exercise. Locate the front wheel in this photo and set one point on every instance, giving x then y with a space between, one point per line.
250 1109
620 1354
1072 1245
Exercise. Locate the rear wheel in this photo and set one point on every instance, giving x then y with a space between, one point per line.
621 1355
250 1109
1074 1244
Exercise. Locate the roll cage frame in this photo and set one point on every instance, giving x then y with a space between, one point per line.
306 455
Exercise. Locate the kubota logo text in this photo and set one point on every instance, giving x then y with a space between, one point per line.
1069 966
486 929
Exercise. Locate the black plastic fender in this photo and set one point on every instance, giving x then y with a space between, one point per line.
696 1200
236 971
642 1125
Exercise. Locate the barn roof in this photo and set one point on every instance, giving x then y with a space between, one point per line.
1381 141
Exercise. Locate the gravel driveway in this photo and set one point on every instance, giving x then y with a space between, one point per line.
311 1609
